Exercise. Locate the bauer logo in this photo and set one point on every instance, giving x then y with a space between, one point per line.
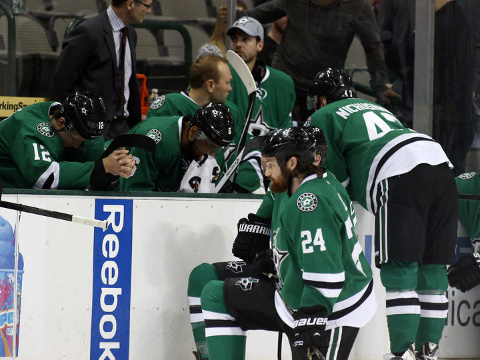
112 267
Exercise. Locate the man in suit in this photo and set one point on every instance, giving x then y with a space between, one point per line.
94 59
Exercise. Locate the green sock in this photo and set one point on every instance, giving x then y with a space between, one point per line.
199 277
402 329
227 347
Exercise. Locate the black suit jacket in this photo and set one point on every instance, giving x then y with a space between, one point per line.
88 62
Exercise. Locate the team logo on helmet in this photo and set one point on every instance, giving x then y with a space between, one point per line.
45 129
155 134
246 284
466 176
307 202
158 102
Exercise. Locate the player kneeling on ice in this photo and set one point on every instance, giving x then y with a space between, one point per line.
186 145
317 286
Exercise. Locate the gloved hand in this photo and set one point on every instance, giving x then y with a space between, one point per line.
465 273
253 236
264 263
309 327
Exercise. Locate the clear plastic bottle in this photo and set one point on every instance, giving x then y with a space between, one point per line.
153 95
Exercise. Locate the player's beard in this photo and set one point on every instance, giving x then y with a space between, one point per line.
282 183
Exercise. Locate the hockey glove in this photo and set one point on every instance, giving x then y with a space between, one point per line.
264 264
465 273
253 236
309 327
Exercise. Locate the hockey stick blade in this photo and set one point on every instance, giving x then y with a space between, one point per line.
249 82
131 140
242 70
103 224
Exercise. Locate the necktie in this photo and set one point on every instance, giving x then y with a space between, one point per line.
123 45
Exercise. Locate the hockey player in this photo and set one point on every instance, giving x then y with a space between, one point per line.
209 83
274 100
465 273
50 145
303 305
253 238
180 141
209 79
404 178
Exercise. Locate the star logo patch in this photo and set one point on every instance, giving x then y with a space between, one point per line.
45 129
155 134
307 202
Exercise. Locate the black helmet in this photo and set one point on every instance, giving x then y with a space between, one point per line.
216 123
334 84
285 143
321 146
85 112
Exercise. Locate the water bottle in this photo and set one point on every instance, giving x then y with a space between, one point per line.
153 96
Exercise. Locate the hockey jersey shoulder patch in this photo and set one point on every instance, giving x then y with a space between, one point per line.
158 102
155 134
45 129
307 202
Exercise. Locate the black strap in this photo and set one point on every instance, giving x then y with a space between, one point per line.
468 196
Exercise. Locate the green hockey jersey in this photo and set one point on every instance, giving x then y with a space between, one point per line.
367 144
318 257
275 98
164 170
180 104
32 154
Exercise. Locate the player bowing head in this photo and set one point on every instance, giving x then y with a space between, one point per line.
209 129
288 154
329 85
82 116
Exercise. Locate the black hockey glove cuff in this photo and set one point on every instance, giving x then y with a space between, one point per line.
264 264
253 236
309 326
100 180
465 273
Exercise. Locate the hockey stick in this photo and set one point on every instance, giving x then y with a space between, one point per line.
254 143
131 140
248 81
103 224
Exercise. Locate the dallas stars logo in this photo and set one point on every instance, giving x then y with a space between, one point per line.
155 134
84 111
307 202
244 20
236 266
246 284
258 127
279 256
45 129
466 176
158 102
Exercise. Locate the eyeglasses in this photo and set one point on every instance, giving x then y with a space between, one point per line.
146 5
